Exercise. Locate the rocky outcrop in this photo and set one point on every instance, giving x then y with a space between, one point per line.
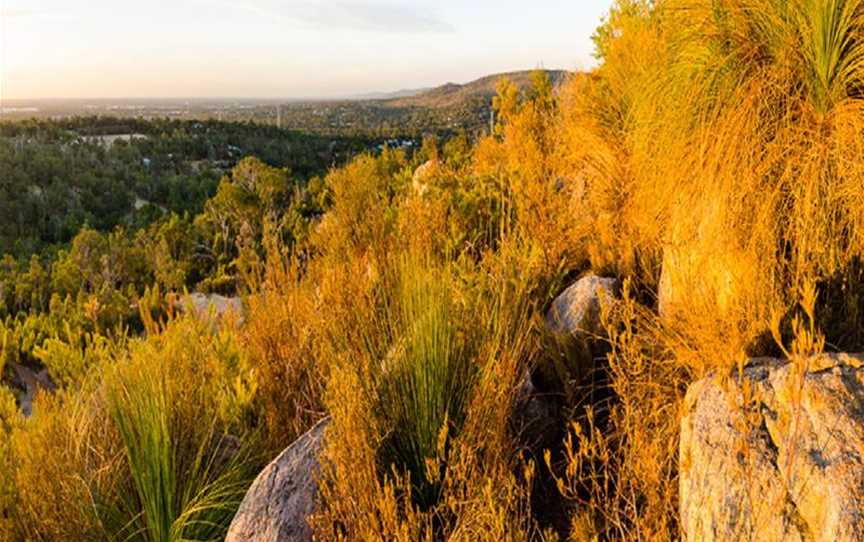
283 495
775 453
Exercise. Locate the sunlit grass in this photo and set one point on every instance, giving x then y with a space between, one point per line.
719 146
725 156
426 382
188 477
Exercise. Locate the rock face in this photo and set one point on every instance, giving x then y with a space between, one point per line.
283 495
778 456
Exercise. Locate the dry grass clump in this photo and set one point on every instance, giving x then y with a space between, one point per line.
718 147
619 466
282 339
431 325
419 445
66 465
8 421
736 131
143 449
362 194
541 198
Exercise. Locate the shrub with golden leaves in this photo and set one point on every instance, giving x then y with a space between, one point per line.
282 336
419 447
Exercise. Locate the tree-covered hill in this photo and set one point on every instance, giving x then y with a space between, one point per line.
442 110
455 95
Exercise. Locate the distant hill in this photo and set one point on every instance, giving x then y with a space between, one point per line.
404 93
453 94
448 108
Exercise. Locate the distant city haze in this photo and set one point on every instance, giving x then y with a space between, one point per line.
278 48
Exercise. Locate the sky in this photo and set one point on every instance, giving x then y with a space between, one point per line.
280 48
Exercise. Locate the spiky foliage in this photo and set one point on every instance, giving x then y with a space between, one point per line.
720 141
142 450
420 406
740 146
427 377
187 482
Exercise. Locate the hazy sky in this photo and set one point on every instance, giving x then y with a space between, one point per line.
280 48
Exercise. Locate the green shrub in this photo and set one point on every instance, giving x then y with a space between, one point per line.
428 377
153 444
188 482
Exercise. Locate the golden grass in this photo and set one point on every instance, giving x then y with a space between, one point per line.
281 338
74 466
719 146
713 160
400 463
65 464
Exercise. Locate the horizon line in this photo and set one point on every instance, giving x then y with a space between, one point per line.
358 96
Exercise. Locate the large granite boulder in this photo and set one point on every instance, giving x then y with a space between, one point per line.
775 453
283 496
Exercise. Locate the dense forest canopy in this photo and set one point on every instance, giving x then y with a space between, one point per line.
113 214
58 176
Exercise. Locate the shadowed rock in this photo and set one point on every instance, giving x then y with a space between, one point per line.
30 383
573 322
